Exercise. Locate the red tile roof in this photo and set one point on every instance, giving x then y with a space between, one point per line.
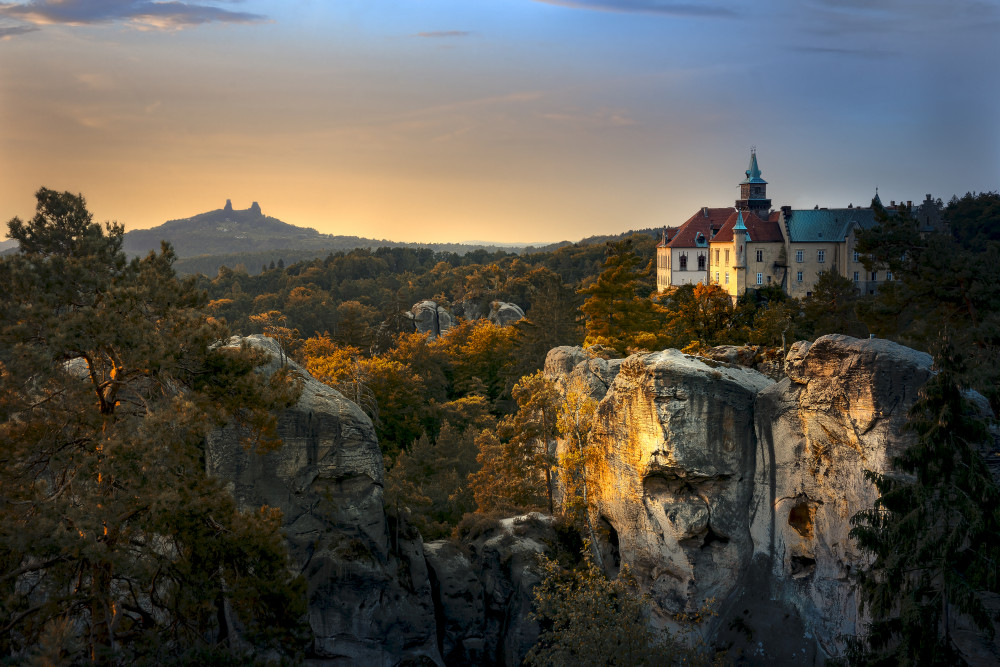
671 233
706 221
758 231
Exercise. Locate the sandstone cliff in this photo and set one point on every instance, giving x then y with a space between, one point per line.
369 591
724 490
720 488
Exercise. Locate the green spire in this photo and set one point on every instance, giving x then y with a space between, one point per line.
740 227
753 173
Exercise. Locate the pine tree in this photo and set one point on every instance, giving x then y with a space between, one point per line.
933 533
618 310
113 542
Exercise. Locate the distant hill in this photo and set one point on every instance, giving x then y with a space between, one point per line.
231 237
232 233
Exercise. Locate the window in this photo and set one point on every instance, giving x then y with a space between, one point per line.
821 256
684 262
856 276
716 257
888 275
701 262
760 277
874 276
760 255
798 276
798 255
727 277
716 274
857 256
727 256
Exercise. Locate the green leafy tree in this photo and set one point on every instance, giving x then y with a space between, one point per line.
933 533
114 544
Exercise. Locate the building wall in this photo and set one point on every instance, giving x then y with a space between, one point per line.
742 279
809 266
692 275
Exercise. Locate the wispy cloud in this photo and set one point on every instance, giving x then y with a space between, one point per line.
144 14
14 31
842 51
663 7
444 34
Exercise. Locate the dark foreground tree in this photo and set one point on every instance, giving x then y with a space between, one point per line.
115 547
933 533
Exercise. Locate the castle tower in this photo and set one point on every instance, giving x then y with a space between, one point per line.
753 190
740 242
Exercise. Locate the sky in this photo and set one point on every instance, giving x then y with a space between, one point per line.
495 120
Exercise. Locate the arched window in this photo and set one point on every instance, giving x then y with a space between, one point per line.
684 262
701 262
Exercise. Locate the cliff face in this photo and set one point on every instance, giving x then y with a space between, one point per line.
720 488
724 490
840 411
369 591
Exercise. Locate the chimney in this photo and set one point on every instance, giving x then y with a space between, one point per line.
909 204
704 211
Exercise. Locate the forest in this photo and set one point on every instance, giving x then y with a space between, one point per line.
110 377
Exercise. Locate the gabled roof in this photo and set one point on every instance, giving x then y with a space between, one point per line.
753 172
704 223
758 231
826 224
668 234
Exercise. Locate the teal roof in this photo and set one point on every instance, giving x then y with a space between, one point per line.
753 173
740 227
826 224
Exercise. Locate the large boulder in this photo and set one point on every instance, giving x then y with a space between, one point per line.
430 318
503 313
369 591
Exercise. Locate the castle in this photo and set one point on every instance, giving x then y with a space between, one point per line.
749 246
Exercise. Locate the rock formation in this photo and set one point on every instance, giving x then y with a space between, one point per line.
503 313
369 591
430 318
722 489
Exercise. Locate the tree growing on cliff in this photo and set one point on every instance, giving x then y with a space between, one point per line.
113 542
933 533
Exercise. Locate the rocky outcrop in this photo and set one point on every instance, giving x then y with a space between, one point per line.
430 318
590 366
718 487
723 489
370 598
672 484
767 360
503 313
840 412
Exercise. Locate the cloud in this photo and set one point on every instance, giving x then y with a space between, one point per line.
663 7
14 31
842 51
444 34
164 15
